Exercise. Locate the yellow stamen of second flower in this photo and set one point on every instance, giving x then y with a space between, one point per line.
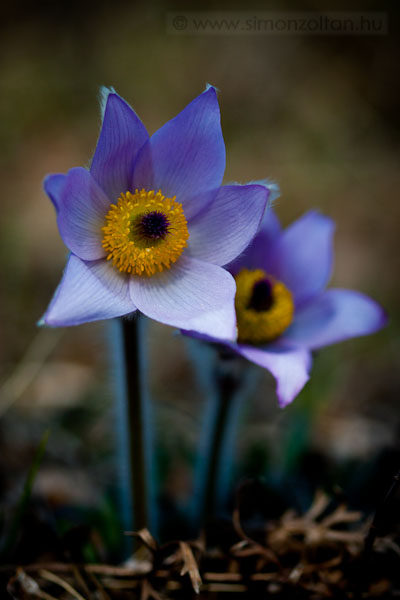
264 307
144 232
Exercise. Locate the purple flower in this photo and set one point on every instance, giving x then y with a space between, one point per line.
282 307
149 225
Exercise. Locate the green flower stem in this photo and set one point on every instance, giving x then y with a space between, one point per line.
220 453
136 422
227 380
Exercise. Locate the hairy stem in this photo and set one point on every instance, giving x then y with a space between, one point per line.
220 454
133 423
136 422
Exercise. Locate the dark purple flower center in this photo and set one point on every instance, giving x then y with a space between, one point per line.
261 297
153 225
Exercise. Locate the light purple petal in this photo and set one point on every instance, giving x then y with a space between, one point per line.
53 186
257 254
219 233
303 255
289 366
82 210
186 157
121 137
333 316
190 295
89 291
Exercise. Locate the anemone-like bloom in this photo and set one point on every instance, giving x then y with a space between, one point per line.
283 310
149 225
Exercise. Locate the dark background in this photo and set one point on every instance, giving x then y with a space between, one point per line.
318 114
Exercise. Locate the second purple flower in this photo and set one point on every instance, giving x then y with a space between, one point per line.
284 311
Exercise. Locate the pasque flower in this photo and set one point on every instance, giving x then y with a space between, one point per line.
149 225
284 311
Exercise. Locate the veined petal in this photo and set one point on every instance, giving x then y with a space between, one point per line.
191 295
82 210
89 291
186 156
290 367
302 257
53 186
257 254
225 228
121 137
333 316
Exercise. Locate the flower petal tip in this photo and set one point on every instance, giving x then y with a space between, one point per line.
103 97
209 86
274 191
284 401
53 185
381 319
384 318
321 219
47 321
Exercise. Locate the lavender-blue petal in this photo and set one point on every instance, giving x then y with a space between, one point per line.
257 254
302 257
82 210
191 295
89 291
333 316
121 137
186 156
225 229
53 186
289 366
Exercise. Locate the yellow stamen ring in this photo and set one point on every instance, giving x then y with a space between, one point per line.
259 326
144 232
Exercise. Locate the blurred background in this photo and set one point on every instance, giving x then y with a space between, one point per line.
318 114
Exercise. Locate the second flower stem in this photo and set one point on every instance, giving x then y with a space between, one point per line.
220 450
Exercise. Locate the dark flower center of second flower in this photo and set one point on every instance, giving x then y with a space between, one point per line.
264 307
261 297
